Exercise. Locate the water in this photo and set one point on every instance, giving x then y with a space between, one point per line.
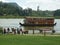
5 23
57 27
10 22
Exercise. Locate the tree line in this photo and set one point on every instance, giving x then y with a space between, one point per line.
15 10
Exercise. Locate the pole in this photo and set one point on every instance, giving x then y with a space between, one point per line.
44 33
33 31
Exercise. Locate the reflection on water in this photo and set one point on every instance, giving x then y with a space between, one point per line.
15 23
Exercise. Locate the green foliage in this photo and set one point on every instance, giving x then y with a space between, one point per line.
57 12
9 9
11 16
15 10
27 12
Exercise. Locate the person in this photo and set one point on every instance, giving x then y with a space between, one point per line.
14 31
18 31
41 31
53 31
21 31
8 30
4 31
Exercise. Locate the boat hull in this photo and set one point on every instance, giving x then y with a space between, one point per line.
37 24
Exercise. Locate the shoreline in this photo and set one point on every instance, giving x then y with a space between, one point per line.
18 17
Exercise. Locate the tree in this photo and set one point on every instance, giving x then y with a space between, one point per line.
1 7
27 12
19 10
57 12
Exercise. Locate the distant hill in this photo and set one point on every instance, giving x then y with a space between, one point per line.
9 8
15 10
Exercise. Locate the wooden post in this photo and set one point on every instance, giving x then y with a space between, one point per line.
33 31
44 33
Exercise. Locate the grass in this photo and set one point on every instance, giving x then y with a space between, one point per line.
10 16
57 17
29 40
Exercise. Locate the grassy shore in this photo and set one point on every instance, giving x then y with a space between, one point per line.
29 40
56 17
11 17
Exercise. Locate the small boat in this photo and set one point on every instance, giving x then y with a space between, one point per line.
37 24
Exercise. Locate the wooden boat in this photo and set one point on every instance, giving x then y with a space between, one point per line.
38 21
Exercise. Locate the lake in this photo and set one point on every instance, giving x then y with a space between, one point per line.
5 23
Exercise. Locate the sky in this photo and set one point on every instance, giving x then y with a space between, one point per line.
43 4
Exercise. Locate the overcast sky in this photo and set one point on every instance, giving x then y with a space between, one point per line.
43 4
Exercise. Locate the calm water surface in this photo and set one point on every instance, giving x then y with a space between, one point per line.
15 23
